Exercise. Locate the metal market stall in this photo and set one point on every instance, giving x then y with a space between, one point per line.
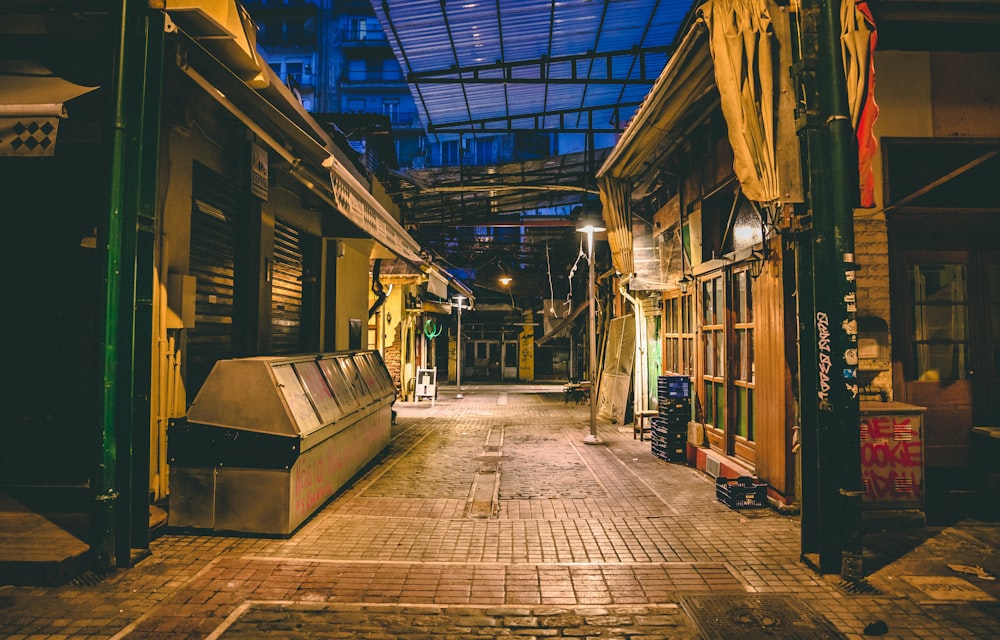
268 440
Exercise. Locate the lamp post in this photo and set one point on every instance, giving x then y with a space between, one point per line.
458 348
589 225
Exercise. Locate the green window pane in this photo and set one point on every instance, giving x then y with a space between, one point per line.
742 411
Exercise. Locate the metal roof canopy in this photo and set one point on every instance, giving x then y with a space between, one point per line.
478 66
488 67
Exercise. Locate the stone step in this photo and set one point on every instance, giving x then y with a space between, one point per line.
34 550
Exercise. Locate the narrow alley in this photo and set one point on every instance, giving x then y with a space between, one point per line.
488 517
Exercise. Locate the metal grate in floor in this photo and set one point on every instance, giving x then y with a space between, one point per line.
87 579
754 616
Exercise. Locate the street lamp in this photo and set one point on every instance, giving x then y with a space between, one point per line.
458 348
589 224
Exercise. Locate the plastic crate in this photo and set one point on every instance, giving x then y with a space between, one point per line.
673 386
743 492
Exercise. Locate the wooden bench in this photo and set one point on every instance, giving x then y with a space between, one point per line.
639 422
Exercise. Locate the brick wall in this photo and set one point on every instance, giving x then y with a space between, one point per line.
393 357
871 249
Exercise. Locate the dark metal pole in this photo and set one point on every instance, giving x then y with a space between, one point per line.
139 235
833 426
458 351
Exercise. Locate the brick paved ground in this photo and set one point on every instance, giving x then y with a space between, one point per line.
488 517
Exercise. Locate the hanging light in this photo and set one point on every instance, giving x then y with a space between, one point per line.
755 263
684 282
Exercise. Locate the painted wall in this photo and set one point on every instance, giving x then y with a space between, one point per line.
919 95
351 289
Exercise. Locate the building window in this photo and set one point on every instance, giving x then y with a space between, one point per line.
678 335
713 341
390 109
293 73
355 105
940 321
450 153
391 71
359 29
357 70
743 373
487 151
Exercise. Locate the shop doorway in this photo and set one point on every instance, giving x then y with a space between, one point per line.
948 342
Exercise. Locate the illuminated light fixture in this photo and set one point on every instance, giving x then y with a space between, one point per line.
505 280
589 223
684 282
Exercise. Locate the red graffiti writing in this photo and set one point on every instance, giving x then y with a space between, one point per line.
886 427
892 458
906 455
900 485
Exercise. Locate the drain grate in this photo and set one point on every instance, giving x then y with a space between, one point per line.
859 588
753 616
87 579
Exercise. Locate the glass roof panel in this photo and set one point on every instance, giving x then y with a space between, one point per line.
457 54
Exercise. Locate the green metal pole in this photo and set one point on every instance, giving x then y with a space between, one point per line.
833 192
104 484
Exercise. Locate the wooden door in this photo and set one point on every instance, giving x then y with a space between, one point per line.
949 346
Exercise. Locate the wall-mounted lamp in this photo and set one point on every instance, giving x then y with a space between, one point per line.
755 263
684 282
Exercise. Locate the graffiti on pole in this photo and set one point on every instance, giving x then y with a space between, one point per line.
825 359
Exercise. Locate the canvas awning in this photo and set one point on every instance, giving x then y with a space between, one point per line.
32 102
741 40
657 126
858 39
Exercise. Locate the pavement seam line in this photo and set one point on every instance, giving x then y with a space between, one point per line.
393 463
583 459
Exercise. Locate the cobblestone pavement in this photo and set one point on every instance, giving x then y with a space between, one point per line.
488 517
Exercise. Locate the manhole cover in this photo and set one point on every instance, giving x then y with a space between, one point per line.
753 616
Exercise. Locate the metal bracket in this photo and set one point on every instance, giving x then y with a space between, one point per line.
110 496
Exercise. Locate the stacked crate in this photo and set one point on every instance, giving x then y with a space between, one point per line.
668 436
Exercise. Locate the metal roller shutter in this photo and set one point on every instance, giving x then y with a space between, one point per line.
286 291
213 263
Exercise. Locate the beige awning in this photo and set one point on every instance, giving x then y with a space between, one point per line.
741 40
658 124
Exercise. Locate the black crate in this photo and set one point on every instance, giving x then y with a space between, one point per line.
666 426
671 438
673 386
743 492
670 454
673 408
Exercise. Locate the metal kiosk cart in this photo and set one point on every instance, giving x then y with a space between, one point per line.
269 440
